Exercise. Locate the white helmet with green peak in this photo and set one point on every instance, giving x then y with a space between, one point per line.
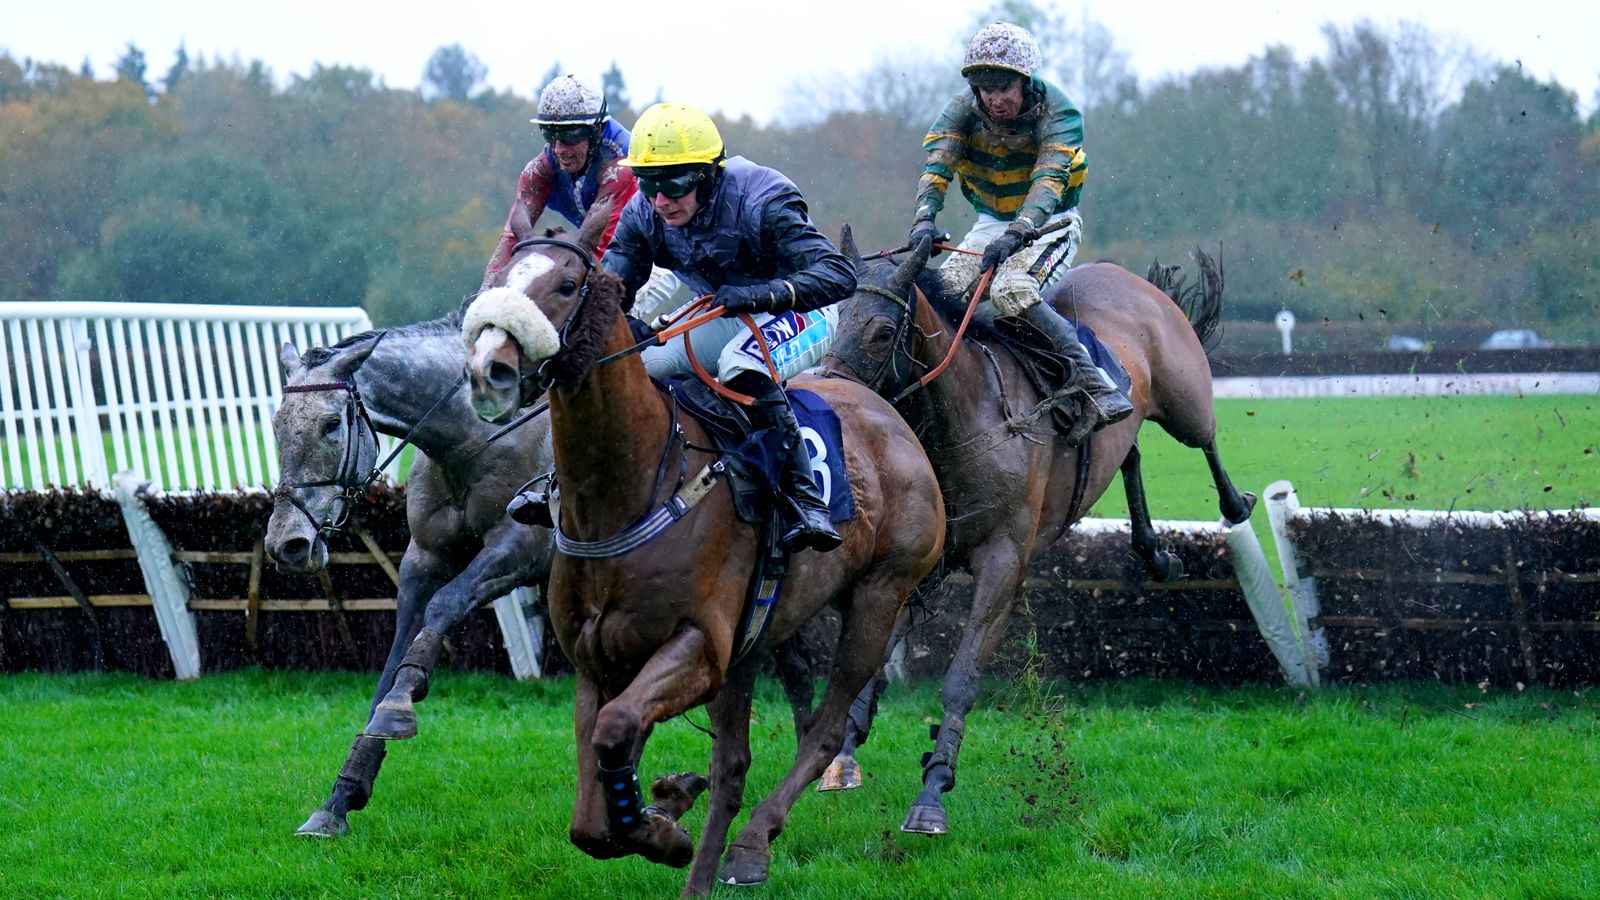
1003 46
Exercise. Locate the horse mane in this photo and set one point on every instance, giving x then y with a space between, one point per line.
444 326
586 338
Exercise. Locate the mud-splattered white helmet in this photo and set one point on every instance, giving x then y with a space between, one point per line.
1002 46
569 100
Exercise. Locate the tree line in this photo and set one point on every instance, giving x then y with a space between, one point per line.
1397 178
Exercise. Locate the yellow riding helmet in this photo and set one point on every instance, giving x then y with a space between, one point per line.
673 134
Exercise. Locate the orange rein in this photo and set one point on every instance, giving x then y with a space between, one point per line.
688 320
972 305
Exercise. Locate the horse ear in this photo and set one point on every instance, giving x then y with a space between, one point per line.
347 363
847 246
907 272
594 226
519 224
289 360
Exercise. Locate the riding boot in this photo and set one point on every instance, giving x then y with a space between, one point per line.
1109 404
806 521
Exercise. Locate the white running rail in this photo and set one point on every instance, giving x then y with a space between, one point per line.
181 393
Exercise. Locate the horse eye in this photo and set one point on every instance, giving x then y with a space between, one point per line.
329 426
885 332
568 286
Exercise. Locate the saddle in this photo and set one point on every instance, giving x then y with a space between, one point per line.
1046 370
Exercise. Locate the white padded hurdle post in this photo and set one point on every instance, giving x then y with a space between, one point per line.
523 633
169 590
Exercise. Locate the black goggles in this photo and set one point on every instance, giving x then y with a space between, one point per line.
571 135
672 185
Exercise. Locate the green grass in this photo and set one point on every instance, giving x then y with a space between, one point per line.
119 787
1393 453
1534 452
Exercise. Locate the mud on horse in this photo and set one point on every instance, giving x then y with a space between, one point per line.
1010 484
651 629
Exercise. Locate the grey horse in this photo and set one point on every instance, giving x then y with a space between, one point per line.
464 550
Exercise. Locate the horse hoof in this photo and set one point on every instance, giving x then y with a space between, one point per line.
1241 516
843 774
926 820
743 865
324 824
662 840
1165 568
392 723
675 794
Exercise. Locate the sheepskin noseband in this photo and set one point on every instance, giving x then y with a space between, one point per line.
519 316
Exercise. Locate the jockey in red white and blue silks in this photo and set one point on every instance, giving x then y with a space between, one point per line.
577 168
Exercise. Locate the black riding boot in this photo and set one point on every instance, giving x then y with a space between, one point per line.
1109 404
805 516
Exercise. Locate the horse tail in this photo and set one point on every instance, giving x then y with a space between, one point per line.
1201 302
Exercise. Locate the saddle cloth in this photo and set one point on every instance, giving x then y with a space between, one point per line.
755 460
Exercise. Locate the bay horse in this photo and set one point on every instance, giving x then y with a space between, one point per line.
1011 486
651 629
464 551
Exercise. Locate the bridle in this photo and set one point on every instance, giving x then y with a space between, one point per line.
902 334
352 483
541 379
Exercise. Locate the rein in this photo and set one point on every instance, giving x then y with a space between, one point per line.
955 344
686 321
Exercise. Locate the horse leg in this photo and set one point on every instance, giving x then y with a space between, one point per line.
863 635
997 569
1236 505
1162 566
421 573
675 678
509 559
588 830
844 773
730 761
793 662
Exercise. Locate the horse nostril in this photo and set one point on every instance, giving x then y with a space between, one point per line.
502 377
295 550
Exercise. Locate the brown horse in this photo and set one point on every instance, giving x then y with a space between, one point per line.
1010 485
651 628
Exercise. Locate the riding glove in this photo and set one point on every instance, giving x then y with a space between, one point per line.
640 329
1016 236
923 228
759 298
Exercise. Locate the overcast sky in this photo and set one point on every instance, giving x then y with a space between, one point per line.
740 58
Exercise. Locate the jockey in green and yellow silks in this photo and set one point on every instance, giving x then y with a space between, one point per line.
1015 141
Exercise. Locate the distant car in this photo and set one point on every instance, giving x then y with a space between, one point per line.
1402 343
1514 339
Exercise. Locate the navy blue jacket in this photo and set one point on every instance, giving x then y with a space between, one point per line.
753 230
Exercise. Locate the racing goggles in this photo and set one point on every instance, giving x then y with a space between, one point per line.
571 135
674 183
